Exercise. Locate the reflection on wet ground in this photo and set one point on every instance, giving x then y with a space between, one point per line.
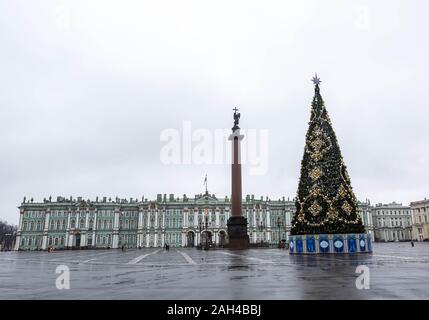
397 271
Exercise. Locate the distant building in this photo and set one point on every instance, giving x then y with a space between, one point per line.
180 222
392 222
420 213
365 211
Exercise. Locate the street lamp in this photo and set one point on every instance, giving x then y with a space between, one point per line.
163 231
261 229
279 224
200 226
206 219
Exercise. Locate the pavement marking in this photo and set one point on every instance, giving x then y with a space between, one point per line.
398 257
187 257
139 258
247 257
99 255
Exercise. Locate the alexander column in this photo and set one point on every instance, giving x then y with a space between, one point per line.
237 224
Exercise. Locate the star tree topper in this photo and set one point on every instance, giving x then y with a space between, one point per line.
316 80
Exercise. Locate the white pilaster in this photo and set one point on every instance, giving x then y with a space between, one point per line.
115 240
156 220
195 218
45 230
268 218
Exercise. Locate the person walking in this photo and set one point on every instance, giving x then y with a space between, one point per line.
412 243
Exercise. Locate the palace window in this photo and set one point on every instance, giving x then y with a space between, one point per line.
73 224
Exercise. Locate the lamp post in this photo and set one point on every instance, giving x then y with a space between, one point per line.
279 224
200 225
163 231
206 220
261 229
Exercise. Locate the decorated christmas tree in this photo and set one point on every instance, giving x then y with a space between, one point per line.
325 201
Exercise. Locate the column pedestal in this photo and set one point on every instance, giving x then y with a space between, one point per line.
237 233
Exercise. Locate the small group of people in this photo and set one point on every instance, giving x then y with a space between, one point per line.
166 247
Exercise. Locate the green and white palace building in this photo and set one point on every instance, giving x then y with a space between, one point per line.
181 222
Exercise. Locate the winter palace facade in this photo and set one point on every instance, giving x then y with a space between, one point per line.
180 222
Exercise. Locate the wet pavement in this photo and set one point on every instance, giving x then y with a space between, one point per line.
397 271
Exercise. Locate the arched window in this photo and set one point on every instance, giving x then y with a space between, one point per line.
58 225
31 225
56 241
82 224
91 224
24 227
38 225
73 223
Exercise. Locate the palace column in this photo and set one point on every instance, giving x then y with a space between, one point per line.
115 240
45 230
237 224
94 228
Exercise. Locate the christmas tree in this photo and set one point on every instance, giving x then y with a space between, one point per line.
325 201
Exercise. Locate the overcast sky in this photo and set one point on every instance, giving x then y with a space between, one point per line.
87 87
